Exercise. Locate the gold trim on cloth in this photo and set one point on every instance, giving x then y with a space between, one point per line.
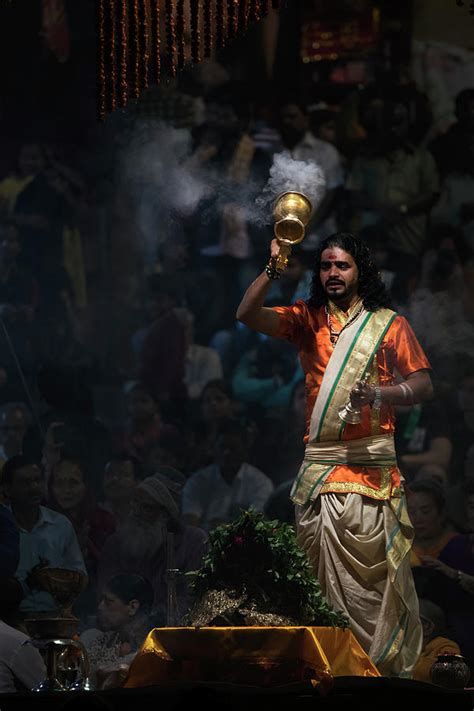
344 487
376 451
348 363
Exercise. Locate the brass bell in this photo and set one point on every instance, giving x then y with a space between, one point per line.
292 212
350 414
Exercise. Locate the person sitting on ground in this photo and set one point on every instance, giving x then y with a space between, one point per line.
152 537
123 621
202 364
219 492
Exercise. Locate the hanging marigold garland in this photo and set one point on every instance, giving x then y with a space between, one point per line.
156 39
123 54
110 55
144 39
242 16
101 77
170 37
207 29
195 32
231 18
181 41
254 11
129 36
220 24
134 34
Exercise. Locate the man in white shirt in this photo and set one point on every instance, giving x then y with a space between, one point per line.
301 144
47 538
217 493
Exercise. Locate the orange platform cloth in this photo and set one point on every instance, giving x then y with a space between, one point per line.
261 656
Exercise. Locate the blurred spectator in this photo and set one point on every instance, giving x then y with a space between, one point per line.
295 282
30 163
322 121
422 437
434 640
457 494
70 409
9 544
121 476
302 145
427 511
123 620
449 148
161 347
281 446
462 414
145 426
47 538
448 331
216 404
202 364
14 421
153 539
392 182
267 375
18 303
218 493
71 495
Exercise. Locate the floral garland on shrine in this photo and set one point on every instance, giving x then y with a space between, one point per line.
254 573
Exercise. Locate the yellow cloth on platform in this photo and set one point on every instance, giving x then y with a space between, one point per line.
265 656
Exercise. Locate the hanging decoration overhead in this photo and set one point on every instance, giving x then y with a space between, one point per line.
140 40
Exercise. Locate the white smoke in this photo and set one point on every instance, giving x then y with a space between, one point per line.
288 174
164 187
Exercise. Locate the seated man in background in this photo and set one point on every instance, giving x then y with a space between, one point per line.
152 539
47 538
219 492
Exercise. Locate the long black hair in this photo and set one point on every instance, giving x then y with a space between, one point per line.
371 288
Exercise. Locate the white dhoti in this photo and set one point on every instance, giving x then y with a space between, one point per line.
359 550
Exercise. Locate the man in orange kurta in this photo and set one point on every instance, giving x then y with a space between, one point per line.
350 509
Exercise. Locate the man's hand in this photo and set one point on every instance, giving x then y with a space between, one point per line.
32 579
362 394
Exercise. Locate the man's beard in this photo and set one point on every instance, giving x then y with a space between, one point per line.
141 541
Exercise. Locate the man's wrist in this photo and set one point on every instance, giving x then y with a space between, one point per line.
376 403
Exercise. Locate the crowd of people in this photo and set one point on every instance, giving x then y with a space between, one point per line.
137 414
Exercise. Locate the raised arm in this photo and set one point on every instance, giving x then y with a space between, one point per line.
251 310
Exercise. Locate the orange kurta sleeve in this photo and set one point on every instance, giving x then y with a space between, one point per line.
408 355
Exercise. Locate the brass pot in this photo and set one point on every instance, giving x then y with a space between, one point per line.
291 213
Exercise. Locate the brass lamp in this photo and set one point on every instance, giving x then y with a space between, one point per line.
292 212
55 634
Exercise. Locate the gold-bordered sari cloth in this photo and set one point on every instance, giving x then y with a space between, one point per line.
359 550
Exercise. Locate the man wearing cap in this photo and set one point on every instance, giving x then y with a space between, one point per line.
154 538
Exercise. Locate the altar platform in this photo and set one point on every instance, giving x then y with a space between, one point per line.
246 668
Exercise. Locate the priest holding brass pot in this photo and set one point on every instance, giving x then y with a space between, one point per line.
360 359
